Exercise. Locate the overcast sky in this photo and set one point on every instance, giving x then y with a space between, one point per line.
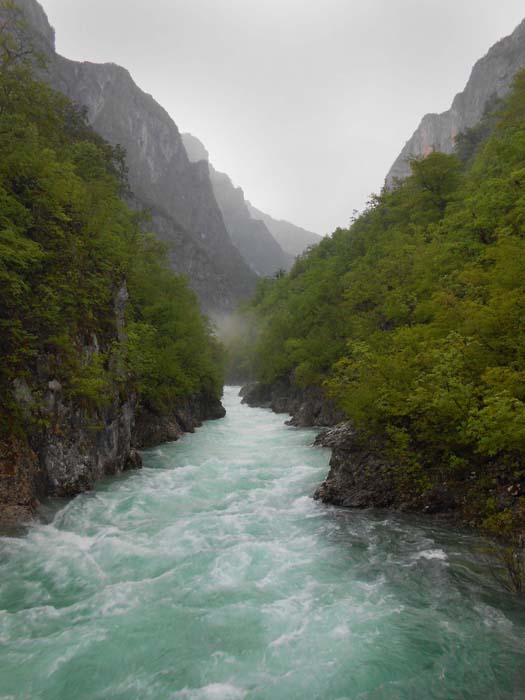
304 103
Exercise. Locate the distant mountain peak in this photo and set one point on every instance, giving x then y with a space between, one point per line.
491 76
249 234
195 149
292 239
177 192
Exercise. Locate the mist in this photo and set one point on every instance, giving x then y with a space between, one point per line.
304 105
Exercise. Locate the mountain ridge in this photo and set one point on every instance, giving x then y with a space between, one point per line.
249 235
491 76
293 239
162 179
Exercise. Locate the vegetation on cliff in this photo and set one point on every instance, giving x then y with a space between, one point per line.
413 321
71 252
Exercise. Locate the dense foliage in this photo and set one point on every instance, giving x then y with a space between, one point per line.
413 320
70 249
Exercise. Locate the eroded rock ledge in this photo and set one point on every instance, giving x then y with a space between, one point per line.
362 473
359 476
307 407
152 429
77 447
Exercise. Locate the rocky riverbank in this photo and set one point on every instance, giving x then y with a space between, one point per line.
307 407
152 428
364 474
76 447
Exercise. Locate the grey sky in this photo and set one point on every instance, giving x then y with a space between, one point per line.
305 104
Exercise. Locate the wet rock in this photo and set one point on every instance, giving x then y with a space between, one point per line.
360 476
82 446
308 407
134 460
153 428
20 474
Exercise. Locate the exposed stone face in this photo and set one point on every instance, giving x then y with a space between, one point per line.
161 176
359 476
40 27
363 475
75 444
491 76
71 446
85 446
251 237
307 407
76 448
152 429
19 476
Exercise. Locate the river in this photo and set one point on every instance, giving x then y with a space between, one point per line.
211 574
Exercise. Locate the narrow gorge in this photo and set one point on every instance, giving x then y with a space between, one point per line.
240 460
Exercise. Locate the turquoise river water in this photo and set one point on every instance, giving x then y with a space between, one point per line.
212 575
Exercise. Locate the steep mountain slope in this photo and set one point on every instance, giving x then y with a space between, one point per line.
491 76
163 180
292 239
250 236
102 347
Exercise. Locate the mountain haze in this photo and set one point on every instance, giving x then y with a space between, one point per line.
292 239
178 193
249 234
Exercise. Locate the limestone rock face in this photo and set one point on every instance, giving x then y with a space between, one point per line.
152 429
491 76
250 236
161 177
308 407
74 444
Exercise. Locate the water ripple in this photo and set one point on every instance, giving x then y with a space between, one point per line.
213 575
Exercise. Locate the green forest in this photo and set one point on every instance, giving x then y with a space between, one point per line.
70 247
413 321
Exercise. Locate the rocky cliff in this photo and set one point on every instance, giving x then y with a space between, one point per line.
250 236
491 76
307 407
70 445
178 193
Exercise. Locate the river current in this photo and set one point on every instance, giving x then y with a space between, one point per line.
211 574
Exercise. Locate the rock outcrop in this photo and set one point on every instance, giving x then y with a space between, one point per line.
71 443
491 77
250 236
363 474
152 428
178 193
359 476
307 407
